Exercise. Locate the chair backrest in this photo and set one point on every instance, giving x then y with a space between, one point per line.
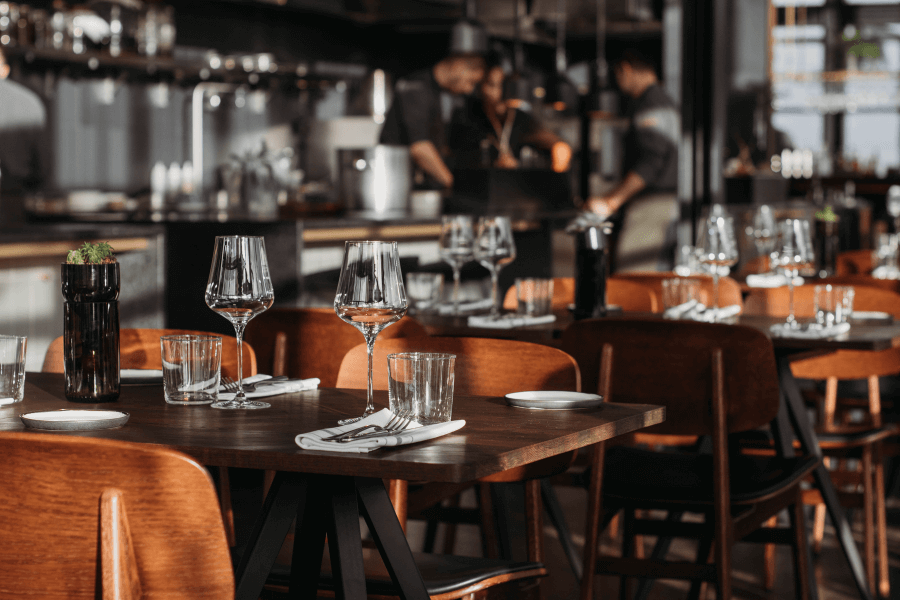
484 366
139 349
729 289
891 285
81 513
670 363
855 262
316 340
630 295
775 302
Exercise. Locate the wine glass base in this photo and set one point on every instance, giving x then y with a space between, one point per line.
246 405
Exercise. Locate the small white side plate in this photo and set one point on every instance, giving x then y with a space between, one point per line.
140 376
75 420
554 400
870 315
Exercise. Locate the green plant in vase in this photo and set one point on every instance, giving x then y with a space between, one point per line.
91 254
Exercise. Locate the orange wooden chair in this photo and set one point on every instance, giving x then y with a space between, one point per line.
139 349
862 441
855 262
96 518
631 296
311 342
713 380
729 289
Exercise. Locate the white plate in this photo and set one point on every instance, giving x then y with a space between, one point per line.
75 420
140 376
554 400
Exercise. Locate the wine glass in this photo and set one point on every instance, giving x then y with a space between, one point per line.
370 296
793 251
457 238
718 249
239 288
494 248
762 229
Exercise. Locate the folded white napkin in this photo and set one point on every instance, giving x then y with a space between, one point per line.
766 280
414 433
872 315
812 331
282 387
712 314
676 312
885 272
508 321
483 304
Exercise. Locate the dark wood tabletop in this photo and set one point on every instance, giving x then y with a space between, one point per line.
496 436
863 334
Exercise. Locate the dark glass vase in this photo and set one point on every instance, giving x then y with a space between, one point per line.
591 271
91 332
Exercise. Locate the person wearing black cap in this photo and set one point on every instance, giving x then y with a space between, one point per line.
644 204
421 110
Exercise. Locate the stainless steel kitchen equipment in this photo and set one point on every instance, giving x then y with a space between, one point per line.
375 182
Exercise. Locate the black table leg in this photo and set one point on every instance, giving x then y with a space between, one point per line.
390 539
809 444
287 492
309 541
344 542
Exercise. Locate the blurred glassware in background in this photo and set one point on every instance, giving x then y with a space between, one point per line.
892 205
888 264
424 290
687 261
762 230
718 250
793 252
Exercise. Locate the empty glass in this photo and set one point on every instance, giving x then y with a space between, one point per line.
456 247
424 290
191 366
494 248
793 251
420 385
717 248
833 304
680 293
534 296
12 368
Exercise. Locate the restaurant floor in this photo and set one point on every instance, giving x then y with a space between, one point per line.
832 572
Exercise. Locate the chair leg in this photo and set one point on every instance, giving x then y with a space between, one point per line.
868 516
489 545
802 572
818 527
450 528
558 520
534 522
769 559
884 581
627 550
225 502
592 522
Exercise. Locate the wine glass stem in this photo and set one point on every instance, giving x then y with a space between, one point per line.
791 320
239 334
715 274
455 289
370 399
495 293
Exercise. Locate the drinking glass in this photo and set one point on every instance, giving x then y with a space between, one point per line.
370 296
494 248
762 230
239 288
456 241
793 251
718 250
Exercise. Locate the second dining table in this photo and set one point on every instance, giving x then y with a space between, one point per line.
311 485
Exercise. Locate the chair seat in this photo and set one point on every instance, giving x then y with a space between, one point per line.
635 475
442 574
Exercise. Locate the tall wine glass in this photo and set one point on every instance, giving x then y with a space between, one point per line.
457 238
239 288
494 248
793 251
763 230
718 249
370 296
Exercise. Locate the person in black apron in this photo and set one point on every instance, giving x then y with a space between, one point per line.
421 110
644 204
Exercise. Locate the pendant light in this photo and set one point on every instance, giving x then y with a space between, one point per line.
561 92
604 100
468 36
517 88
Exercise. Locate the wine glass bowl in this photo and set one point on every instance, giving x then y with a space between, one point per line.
239 288
717 249
793 252
494 249
370 296
762 230
456 247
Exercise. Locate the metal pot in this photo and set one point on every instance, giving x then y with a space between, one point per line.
376 181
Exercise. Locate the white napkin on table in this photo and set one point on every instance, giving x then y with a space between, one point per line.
282 387
414 433
814 332
885 272
483 304
711 314
676 312
508 321
770 280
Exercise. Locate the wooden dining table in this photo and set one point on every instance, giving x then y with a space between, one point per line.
793 420
311 485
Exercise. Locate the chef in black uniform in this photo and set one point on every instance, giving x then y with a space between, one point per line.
421 110
644 204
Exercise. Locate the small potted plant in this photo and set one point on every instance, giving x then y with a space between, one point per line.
90 286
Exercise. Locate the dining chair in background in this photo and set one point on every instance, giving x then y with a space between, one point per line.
729 289
484 367
714 380
855 262
839 438
96 518
631 296
139 349
311 342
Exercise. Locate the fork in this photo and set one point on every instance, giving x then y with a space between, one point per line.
398 427
397 423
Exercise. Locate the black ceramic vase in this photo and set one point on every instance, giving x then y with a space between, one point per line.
91 332
591 270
